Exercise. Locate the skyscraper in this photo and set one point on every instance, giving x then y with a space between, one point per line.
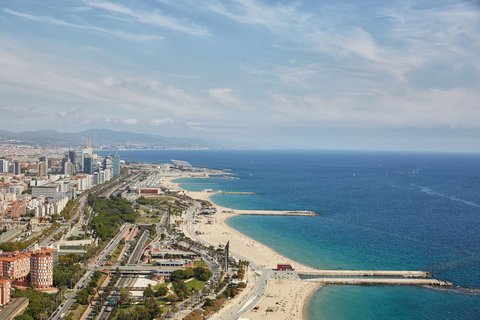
44 159
116 165
16 168
41 169
225 258
87 164
3 165
72 156
69 168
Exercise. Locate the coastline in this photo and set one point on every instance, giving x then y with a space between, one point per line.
286 298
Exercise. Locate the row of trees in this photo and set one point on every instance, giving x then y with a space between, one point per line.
110 215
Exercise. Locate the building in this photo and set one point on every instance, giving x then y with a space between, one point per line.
49 191
17 209
4 292
69 168
284 267
16 168
41 169
116 165
88 164
150 191
14 265
45 159
41 268
3 166
226 256
72 156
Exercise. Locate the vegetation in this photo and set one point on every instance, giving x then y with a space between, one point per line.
41 304
110 215
67 271
195 285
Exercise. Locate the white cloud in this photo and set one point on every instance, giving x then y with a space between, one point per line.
431 108
225 96
130 121
161 122
90 28
154 18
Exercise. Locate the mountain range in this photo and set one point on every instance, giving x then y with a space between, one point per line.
102 138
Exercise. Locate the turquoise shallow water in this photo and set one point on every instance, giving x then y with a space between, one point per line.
377 210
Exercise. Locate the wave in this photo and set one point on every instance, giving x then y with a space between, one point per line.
457 289
441 195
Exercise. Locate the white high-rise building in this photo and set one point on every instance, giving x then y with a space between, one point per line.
3 165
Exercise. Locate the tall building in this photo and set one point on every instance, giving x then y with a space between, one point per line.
42 169
4 292
69 168
41 268
3 166
225 257
88 164
44 159
16 168
72 156
116 165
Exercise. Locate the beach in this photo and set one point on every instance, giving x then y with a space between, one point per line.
285 297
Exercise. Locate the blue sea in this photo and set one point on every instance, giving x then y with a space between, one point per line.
377 210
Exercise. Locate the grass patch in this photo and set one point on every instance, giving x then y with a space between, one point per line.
195 284
200 264
116 252
77 312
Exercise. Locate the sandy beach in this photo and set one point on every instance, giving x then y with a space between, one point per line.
284 298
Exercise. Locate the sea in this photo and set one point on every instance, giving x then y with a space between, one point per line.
376 210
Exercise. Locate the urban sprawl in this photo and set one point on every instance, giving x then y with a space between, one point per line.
84 236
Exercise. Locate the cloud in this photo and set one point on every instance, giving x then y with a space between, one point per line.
425 109
130 121
45 83
225 96
84 27
161 122
153 18
276 18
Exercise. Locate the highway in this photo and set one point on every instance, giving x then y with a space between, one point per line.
138 250
98 263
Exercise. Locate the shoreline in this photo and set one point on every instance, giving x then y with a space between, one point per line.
295 294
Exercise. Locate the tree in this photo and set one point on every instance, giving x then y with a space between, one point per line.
202 274
180 289
82 296
125 296
123 315
148 293
162 291
24 316
152 307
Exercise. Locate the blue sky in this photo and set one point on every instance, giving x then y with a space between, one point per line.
401 75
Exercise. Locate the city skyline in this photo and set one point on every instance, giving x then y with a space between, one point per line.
246 73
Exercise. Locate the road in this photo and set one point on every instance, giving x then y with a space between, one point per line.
138 250
97 264
261 275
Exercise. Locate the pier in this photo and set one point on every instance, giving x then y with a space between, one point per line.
381 281
236 192
372 277
365 273
275 213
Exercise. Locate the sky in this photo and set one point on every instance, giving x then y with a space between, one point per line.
374 75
